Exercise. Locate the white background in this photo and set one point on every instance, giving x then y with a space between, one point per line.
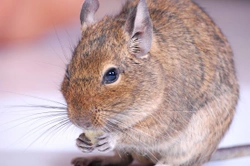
37 69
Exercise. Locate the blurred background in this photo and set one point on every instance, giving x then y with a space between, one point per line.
36 43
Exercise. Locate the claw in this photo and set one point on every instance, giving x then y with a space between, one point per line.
103 145
104 150
102 142
84 144
103 136
83 138
86 150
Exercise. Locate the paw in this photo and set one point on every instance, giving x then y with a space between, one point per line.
84 144
86 162
105 143
115 160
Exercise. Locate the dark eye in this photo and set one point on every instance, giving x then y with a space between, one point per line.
111 76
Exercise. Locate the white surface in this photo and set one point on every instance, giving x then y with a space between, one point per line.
37 69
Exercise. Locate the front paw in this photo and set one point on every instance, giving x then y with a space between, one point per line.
84 144
105 143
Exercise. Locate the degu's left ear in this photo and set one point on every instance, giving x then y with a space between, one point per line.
140 29
89 8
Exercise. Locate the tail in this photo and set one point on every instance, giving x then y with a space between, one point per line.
231 152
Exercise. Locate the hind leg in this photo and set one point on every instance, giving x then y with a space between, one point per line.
115 160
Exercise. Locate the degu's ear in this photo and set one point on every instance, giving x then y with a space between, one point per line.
140 29
89 8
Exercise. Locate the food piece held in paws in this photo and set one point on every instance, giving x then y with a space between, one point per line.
93 134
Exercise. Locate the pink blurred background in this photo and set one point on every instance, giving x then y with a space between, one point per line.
36 42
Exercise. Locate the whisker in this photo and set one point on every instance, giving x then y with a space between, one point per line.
57 129
31 118
61 123
54 65
154 158
62 47
35 97
71 46
36 106
38 128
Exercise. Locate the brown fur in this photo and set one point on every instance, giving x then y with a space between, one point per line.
174 106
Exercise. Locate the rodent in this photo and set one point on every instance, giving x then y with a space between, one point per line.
158 80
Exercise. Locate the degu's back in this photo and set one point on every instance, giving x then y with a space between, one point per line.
200 77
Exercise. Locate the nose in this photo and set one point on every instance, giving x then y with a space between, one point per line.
87 125
81 117
84 123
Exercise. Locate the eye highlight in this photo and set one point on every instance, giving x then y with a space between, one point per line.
111 76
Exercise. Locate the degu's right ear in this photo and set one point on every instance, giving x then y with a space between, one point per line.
88 11
140 29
